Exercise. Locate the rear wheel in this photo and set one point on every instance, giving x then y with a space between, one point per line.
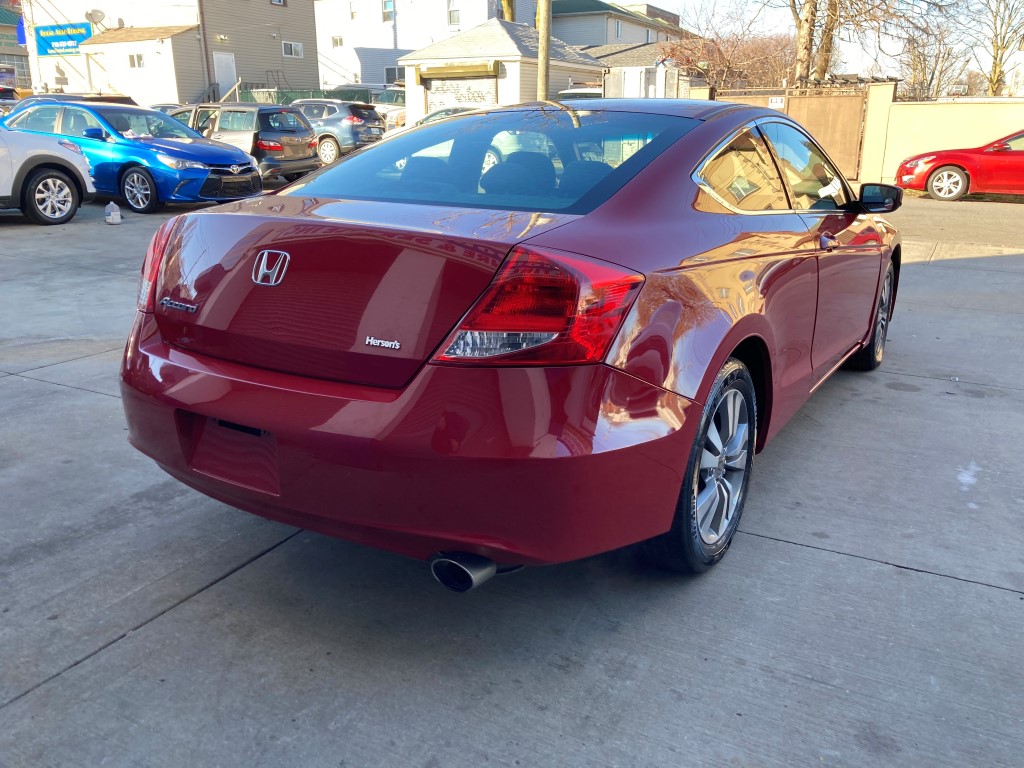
717 474
139 190
50 197
329 150
948 183
870 357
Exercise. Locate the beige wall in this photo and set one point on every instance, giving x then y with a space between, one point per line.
895 131
189 70
152 83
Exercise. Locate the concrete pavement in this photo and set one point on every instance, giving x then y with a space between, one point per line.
869 613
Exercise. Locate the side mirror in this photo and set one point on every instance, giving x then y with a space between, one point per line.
880 198
94 133
999 146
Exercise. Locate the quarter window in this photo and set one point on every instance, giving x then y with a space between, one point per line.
42 119
75 121
813 181
744 176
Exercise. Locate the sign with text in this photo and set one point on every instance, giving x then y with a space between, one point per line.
61 39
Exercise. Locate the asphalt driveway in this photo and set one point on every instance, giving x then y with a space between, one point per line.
870 612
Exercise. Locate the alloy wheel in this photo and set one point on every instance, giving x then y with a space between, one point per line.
947 184
723 466
328 152
882 318
53 198
137 190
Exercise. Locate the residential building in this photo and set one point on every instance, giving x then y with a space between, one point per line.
642 71
12 53
361 41
170 50
494 63
593 22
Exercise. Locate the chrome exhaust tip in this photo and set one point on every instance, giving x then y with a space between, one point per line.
462 571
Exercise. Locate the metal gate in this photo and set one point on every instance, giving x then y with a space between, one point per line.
836 120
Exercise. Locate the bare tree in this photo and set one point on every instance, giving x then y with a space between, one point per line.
934 58
999 33
508 10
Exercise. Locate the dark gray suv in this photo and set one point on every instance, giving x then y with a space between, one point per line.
341 126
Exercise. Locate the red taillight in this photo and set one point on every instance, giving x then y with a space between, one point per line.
270 146
544 308
353 120
151 266
313 143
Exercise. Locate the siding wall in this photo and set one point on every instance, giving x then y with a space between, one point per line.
581 30
560 77
189 72
255 30
153 83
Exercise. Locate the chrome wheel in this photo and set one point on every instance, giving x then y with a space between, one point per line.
53 198
882 318
723 466
137 190
328 150
491 159
948 184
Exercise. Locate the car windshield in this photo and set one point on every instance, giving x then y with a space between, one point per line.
561 159
391 97
145 124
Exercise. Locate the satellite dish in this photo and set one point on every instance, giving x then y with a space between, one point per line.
95 16
120 23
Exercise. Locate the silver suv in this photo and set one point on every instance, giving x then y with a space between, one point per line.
341 126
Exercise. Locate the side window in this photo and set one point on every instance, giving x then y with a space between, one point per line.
330 111
1016 143
744 175
75 121
205 119
237 120
813 180
183 116
312 111
42 119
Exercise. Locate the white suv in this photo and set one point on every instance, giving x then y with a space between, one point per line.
46 177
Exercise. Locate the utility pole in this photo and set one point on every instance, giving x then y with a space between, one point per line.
543 47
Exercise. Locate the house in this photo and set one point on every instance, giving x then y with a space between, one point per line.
593 22
642 71
361 41
494 63
13 55
170 50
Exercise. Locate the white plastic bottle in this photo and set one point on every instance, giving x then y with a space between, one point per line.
112 214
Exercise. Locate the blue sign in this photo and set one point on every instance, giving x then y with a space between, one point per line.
61 39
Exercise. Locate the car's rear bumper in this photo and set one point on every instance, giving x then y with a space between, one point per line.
271 167
522 465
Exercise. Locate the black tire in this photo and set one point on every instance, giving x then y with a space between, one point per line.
139 190
685 548
948 183
492 157
871 356
293 177
50 197
331 148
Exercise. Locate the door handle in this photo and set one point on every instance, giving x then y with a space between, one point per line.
828 242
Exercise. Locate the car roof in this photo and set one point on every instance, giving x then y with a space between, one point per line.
239 104
693 108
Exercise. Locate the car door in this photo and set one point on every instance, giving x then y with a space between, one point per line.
236 126
764 236
103 154
6 174
849 245
1006 166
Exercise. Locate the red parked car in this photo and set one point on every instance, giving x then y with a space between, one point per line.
490 365
952 173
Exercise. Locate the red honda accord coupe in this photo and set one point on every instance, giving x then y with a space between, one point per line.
493 365
950 174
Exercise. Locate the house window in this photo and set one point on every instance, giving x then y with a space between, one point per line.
453 13
135 60
388 10
618 29
390 74
337 41
352 10
650 35
279 2
291 50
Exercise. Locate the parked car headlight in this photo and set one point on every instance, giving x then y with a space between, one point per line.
919 161
178 165
71 145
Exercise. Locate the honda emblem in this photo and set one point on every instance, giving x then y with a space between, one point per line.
270 267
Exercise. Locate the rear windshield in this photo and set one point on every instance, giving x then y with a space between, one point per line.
286 121
529 160
364 112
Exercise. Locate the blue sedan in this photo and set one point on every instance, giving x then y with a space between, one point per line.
145 157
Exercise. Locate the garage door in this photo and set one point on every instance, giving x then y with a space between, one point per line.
451 92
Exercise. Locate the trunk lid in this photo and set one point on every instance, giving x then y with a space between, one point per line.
358 298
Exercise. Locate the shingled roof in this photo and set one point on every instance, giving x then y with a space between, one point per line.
625 54
498 39
136 34
575 7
